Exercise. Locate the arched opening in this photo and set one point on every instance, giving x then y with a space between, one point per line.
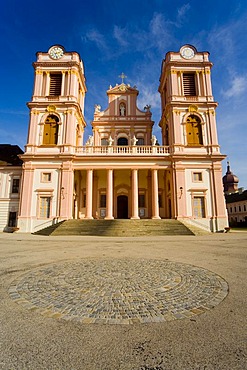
122 141
194 131
122 206
50 135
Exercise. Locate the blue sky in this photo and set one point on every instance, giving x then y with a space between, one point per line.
130 36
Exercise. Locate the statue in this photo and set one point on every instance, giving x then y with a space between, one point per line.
97 108
154 140
90 141
122 109
147 107
110 141
134 140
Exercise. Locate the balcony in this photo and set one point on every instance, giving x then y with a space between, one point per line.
142 150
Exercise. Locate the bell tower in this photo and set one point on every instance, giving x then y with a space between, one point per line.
56 129
57 106
188 125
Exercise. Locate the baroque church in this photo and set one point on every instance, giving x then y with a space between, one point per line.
120 171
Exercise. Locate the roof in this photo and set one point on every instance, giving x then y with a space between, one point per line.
9 154
236 197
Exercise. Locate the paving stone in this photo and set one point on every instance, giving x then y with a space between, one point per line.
119 291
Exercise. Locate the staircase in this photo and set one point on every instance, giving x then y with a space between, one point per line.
118 228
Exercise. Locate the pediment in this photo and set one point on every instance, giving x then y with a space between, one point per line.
122 88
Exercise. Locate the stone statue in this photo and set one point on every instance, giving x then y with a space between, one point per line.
154 140
122 109
90 141
97 108
147 107
110 141
134 140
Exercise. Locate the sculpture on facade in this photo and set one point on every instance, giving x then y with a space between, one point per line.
147 107
110 141
122 109
154 140
97 108
90 141
134 140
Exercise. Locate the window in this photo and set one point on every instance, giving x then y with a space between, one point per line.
122 141
44 207
84 200
197 176
160 200
46 177
12 219
230 209
235 209
244 208
102 200
199 207
55 84
15 186
239 208
104 142
50 130
189 84
140 141
141 200
194 131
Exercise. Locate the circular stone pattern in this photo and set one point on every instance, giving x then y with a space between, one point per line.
119 291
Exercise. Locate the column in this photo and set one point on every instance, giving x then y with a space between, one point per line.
135 195
155 195
89 194
109 196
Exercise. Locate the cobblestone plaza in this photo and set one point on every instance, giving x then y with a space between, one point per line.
119 291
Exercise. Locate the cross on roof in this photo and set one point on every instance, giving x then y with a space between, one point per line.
123 76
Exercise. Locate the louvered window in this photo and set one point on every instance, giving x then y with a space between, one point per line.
189 84
55 84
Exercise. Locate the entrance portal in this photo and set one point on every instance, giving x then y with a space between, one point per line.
122 206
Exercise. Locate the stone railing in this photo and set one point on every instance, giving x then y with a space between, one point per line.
123 150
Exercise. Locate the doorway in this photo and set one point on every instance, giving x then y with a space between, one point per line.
122 206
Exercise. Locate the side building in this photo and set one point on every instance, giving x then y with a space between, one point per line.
236 199
10 182
120 171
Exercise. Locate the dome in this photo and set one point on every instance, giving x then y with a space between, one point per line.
230 181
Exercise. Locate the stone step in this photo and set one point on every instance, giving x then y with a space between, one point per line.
118 228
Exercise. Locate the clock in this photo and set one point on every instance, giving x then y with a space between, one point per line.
187 53
56 52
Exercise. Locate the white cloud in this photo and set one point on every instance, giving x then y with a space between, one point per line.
95 36
238 87
181 13
121 35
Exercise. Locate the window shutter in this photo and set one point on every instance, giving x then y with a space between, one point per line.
189 84
55 84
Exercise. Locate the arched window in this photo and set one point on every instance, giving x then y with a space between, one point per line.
122 109
194 131
140 141
50 130
122 141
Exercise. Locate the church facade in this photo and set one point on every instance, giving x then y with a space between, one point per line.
120 171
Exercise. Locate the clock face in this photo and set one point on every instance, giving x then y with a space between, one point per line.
56 52
187 53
